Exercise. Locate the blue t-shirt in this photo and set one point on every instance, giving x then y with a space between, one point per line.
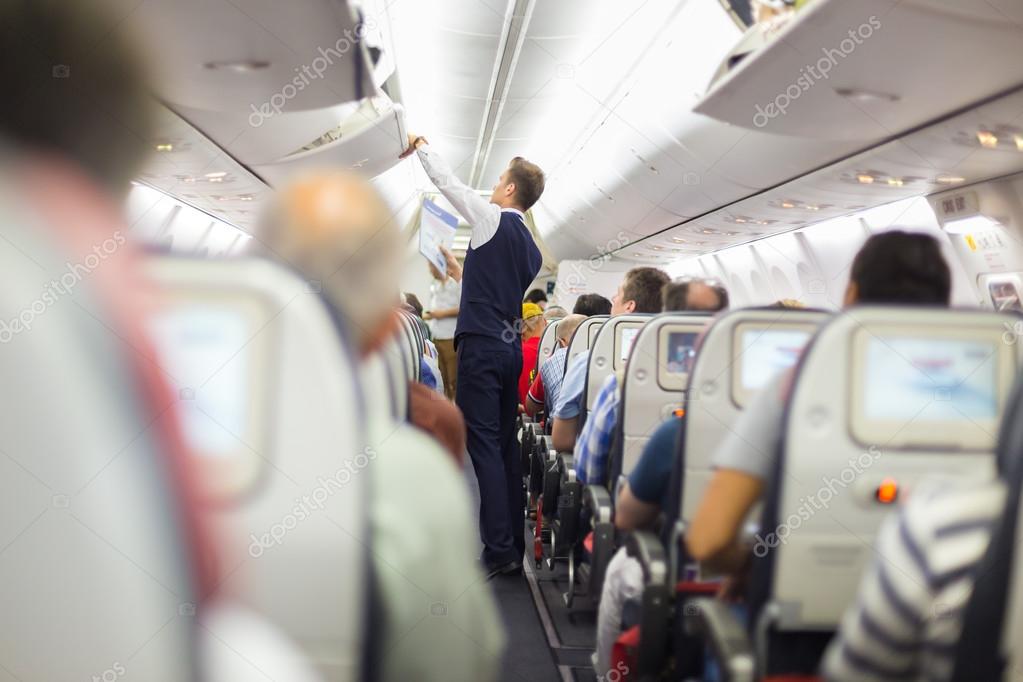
650 477
570 399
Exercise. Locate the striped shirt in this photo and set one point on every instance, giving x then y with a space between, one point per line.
552 371
907 621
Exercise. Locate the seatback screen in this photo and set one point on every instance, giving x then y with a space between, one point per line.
628 339
681 352
767 352
918 379
205 351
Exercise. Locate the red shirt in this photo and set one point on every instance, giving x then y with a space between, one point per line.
530 348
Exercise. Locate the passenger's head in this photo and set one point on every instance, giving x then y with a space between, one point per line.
567 327
336 229
536 296
639 292
519 186
554 312
591 304
787 304
70 94
693 294
899 267
413 302
533 322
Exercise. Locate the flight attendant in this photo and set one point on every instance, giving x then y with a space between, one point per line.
500 263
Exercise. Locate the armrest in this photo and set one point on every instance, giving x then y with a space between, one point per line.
566 462
546 446
598 501
721 629
647 549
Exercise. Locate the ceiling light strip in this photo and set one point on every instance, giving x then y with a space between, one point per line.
513 36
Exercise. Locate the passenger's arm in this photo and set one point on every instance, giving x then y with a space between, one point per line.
563 433
713 538
481 215
535 396
632 513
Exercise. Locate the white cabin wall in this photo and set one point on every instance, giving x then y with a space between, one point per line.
812 264
596 275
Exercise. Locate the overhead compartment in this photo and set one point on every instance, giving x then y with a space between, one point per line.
278 85
869 70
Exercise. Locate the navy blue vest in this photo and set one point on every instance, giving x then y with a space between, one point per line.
494 279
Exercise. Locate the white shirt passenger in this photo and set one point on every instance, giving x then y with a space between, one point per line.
444 295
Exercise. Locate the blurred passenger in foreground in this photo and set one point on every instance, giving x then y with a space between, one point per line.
337 229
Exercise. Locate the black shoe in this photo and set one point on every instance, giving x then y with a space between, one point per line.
509 569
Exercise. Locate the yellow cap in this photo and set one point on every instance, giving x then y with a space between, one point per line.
531 310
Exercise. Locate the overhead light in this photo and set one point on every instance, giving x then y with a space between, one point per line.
812 207
245 197
679 240
987 139
1018 139
865 95
657 248
237 65
216 175
949 179
165 147
787 204
864 178
896 182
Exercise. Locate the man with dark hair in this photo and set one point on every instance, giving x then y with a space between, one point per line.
591 304
891 268
536 296
500 263
639 292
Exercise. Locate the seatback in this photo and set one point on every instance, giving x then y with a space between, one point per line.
274 416
96 564
385 375
992 621
656 375
548 343
882 397
413 345
583 336
740 352
609 352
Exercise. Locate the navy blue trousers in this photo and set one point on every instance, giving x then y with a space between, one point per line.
487 394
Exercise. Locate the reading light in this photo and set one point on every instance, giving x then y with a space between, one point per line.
165 147
865 178
987 139
896 182
949 179
217 175
1018 139
789 204
887 492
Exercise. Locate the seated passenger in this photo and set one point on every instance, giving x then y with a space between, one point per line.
533 324
536 297
543 392
554 312
594 442
639 292
591 304
415 306
336 229
892 267
908 618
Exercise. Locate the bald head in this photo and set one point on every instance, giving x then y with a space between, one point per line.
337 231
567 327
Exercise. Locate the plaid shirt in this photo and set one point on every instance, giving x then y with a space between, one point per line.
552 372
594 442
